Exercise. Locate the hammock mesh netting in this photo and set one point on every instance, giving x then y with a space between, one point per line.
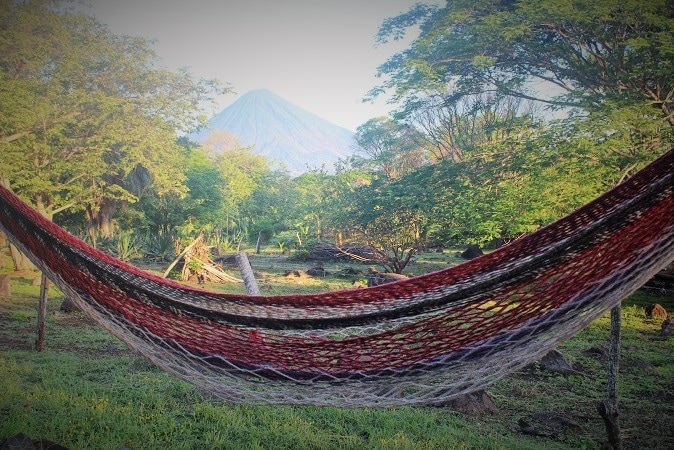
424 340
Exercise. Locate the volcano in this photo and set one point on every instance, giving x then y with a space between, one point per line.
286 134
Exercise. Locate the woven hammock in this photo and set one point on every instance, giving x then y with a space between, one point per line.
424 340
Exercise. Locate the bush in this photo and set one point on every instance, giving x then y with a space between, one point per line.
264 229
159 247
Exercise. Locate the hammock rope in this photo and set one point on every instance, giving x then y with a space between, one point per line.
423 340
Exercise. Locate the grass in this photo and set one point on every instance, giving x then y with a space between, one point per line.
87 391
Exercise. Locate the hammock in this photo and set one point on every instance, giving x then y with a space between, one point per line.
424 340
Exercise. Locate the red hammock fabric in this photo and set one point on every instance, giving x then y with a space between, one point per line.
553 281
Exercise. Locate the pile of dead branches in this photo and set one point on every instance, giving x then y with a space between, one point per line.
197 265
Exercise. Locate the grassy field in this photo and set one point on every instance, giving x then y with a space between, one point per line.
87 391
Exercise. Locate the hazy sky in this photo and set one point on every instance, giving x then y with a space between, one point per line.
319 54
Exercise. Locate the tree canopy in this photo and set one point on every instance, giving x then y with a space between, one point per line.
84 112
469 86
567 53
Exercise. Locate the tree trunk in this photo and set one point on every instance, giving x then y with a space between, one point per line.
101 218
105 224
247 274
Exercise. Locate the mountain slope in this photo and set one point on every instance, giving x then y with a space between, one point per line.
282 131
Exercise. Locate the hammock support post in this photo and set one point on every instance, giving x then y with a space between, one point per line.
608 409
42 314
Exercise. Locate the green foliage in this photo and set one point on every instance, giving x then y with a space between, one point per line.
286 240
262 228
88 119
194 265
301 254
230 243
160 246
205 202
314 195
497 171
128 246
241 170
389 147
125 245
585 52
275 199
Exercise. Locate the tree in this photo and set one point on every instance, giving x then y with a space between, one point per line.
314 189
449 126
242 173
84 112
611 61
202 205
391 217
584 53
273 200
389 147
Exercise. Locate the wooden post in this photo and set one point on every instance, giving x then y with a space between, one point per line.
42 314
608 409
247 274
